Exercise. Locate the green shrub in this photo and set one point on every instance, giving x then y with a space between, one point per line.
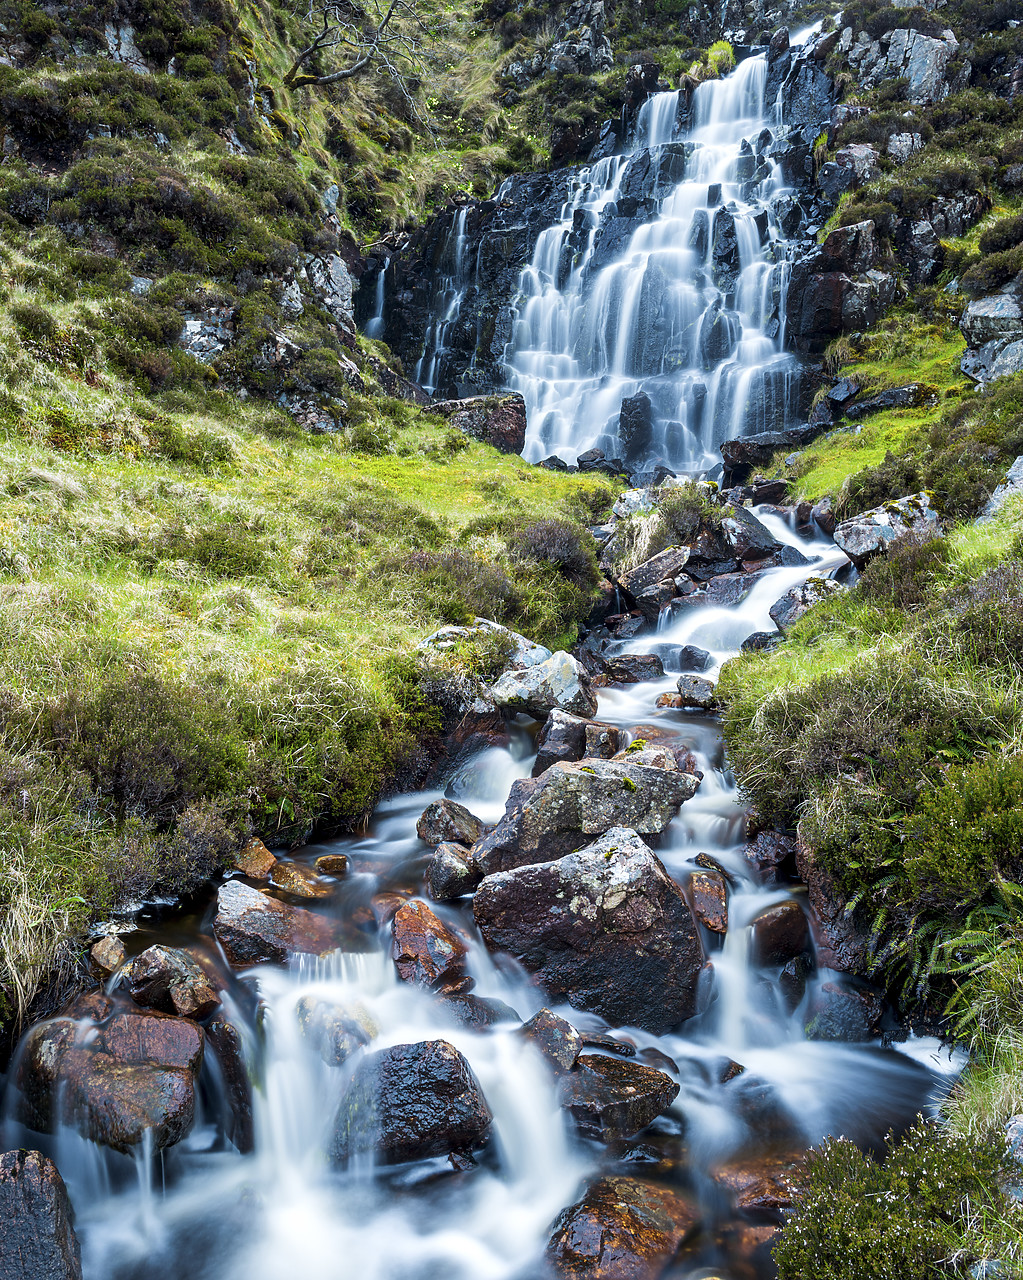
1005 234
992 272
903 1219
964 834
33 320
905 576
569 549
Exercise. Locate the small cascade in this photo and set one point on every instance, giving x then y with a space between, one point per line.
681 316
375 324
454 279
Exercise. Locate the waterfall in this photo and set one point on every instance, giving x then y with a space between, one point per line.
686 308
375 325
453 283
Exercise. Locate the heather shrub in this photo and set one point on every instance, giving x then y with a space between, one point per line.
906 574
561 544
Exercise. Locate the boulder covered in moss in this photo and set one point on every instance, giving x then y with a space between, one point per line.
606 929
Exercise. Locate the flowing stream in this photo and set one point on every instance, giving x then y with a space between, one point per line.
203 1210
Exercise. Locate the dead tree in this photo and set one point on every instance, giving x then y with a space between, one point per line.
386 37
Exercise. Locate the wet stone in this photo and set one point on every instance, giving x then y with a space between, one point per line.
696 692
225 1042
565 737
621 1229
710 900
478 1011
256 929
849 1013
336 1030
761 1182
692 658
37 1234
297 881
448 821
332 864
106 955
780 934
450 874
254 860
425 951
611 1099
167 979
409 1102
556 1039
634 668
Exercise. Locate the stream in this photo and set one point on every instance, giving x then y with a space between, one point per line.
705 341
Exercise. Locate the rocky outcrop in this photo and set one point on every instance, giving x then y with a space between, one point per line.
499 421
549 816
409 1102
606 929
621 1229
920 59
869 534
37 1234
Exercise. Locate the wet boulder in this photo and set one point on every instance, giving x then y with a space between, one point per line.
779 934
297 880
560 683
696 692
332 864
167 979
225 1042
787 611
841 1011
447 820
549 816
254 859
606 929
569 738
710 900
692 658
634 668
37 1234
477 1011
450 874
610 1099
499 421
557 1040
107 955
409 1102
869 534
253 928
747 536
425 951
135 1076
760 1182
621 1229
635 426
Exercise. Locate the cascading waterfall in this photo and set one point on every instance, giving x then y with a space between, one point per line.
587 336
689 310
454 278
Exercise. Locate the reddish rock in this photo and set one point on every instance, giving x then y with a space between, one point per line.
498 420
672 700
256 929
37 1234
622 1229
780 934
409 1102
297 881
605 928
254 860
223 1038
759 1182
384 907
170 980
424 949
710 900
332 864
107 955
556 1039
610 1099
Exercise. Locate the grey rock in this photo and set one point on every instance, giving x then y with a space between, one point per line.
568 737
447 820
901 146
696 692
988 319
560 682
801 598
450 874
605 928
868 534
333 286
522 652
1012 487
610 1099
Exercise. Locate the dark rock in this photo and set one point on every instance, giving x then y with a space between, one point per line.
556 1039
769 491
336 1030
746 536
762 1182
824 516
691 658
495 420
447 821
895 398
852 249
332 864
223 1039
840 943
635 424
610 1099
608 1044
780 934
792 980
256 929
759 641
450 873
478 1011
167 979
710 900
843 392
107 955
696 692
767 854
567 737
622 1229
409 1102
634 668
426 952
606 928
840 1012
37 1234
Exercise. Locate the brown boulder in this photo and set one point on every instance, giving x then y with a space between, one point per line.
297 881
780 934
557 1040
610 1099
447 821
412 1101
759 1182
167 979
710 900
254 860
841 944
37 1234
622 1229
498 420
256 929
106 955
226 1043
332 864
425 951
605 928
